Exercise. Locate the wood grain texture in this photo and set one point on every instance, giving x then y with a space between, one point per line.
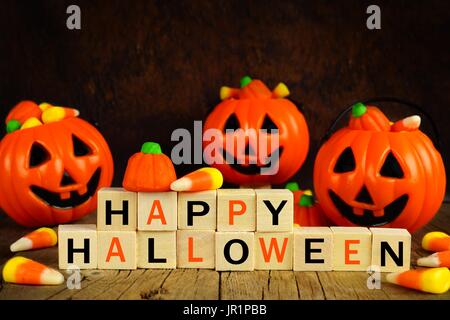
141 69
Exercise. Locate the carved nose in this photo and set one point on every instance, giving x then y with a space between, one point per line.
364 196
249 150
66 179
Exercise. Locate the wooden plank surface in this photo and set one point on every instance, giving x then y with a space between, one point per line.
193 284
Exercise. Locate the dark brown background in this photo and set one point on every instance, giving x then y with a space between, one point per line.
141 69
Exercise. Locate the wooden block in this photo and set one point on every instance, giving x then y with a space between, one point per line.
313 249
391 249
117 210
274 210
352 248
235 251
273 251
157 249
117 250
157 211
196 249
77 246
197 210
236 210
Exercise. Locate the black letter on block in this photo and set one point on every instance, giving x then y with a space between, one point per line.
309 250
191 213
226 251
385 247
273 211
71 250
151 253
124 212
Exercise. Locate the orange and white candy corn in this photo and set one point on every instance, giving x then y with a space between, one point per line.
437 259
407 124
31 123
40 238
436 241
21 270
435 280
199 180
53 114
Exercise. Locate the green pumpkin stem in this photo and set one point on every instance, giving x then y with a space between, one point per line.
292 186
151 148
245 81
306 201
358 110
12 126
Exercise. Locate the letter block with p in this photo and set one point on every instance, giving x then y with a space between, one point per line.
236 210
197 210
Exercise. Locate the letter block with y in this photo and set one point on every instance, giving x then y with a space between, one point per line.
236 210
157 249
391 249
274 210
117 250
116 210
77 246
352 248
157 211
273 251
196 249
197 210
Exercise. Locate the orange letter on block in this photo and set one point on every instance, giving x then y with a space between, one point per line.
273 244
348 252
156 205
191 257
232 212
115 242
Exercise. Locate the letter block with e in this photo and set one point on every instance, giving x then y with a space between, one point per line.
157 211
313 249
77 246
352 248
117 250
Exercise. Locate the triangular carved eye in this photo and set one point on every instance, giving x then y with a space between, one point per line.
80 148
232 123
38 155
268 124
391 168
346 161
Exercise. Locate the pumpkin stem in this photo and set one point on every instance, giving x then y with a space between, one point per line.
245 81
358 110
306 200
151 148
12 126
292 186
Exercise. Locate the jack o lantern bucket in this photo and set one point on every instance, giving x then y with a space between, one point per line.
377 173
255 108
52 164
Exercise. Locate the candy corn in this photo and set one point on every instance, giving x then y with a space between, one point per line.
435 280
21 270
281 91
407 124
53 114
436 241
438 259
227 92
199 180
40 238
30 123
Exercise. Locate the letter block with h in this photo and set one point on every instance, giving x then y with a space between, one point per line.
77 246
117 210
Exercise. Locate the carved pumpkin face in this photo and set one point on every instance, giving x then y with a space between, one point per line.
374 173
51 172
251 108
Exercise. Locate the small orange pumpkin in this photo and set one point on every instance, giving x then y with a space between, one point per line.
149 170
377 173
307 212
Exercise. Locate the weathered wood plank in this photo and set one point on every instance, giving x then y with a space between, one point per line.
243 285
282 285
309 286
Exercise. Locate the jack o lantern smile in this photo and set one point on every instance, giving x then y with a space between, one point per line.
368 218
54 198
252 169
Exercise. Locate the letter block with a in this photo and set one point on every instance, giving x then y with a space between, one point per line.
196 249
197 210
117 210
313 249
391 249
77 246
235 251
117 250
352 248
157 211
274 210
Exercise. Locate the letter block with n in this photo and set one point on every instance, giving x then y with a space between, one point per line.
116 210
391 249
77 246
